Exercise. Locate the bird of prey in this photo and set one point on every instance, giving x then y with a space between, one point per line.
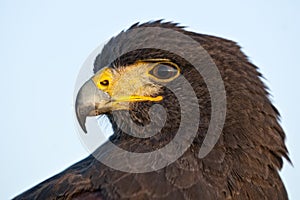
244 162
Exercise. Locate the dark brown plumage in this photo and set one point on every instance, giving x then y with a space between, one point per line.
243 164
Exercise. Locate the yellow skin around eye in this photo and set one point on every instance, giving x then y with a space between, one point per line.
131 83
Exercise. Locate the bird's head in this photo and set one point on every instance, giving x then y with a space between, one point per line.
138 77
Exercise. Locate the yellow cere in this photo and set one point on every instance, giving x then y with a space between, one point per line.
103 75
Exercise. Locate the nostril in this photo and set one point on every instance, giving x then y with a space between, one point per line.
104 82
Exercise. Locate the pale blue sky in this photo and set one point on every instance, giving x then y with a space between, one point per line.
44 43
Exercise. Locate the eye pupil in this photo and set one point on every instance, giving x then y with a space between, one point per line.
163 71
104 82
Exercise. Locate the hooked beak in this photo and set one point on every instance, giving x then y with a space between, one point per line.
90 101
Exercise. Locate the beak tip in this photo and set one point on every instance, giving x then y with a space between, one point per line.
84 130
81 120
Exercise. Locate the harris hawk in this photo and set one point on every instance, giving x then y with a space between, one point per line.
244 161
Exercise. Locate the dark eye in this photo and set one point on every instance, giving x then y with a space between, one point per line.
163 71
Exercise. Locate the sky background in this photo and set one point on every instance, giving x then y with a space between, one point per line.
43 44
